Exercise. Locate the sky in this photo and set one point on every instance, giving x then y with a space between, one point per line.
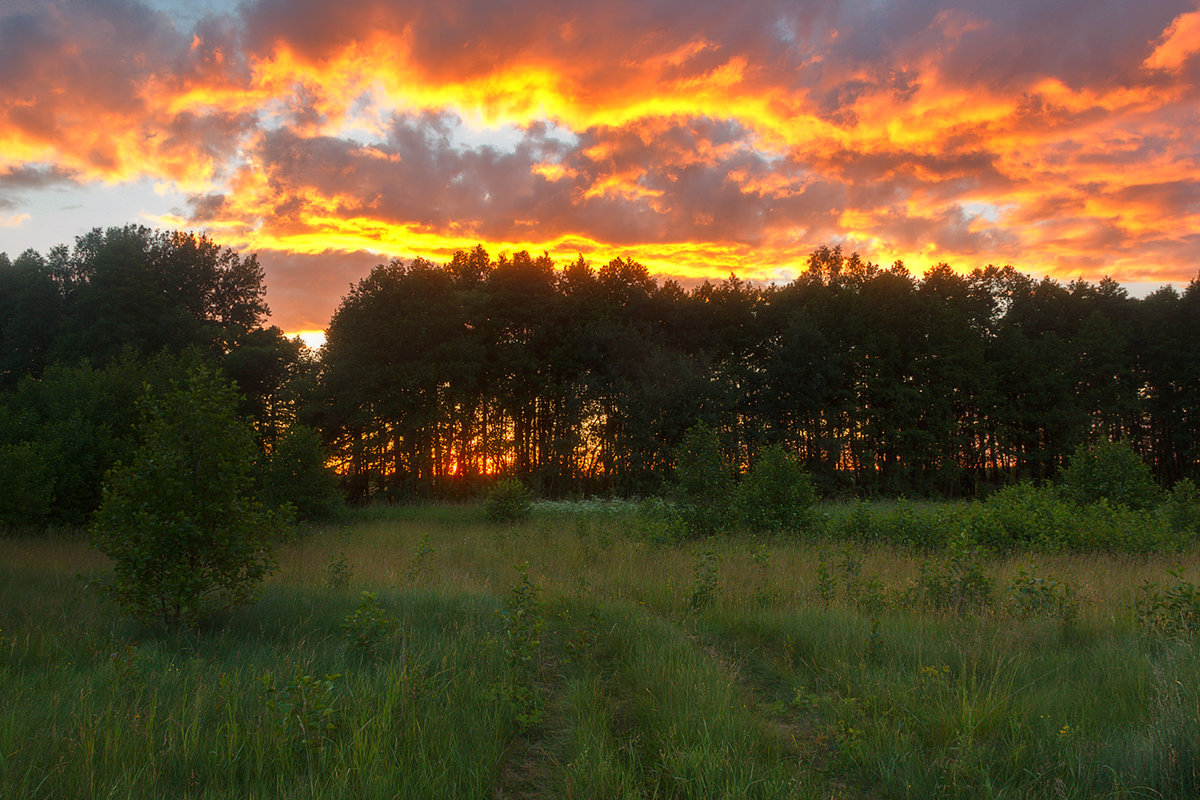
700 137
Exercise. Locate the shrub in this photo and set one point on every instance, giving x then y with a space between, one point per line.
660 521
826 581
368 626
958 584
28 495
1120 529
1110 471
907 524
703 482
1031 596
705 586
295 473
1024 515
777 493
180 522
1181 511
338 571
509 500
523 620
1172 612
307 707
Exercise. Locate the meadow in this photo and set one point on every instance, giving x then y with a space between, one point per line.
420 652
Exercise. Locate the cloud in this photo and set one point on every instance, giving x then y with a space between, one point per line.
698 136
16 181
83 92
1179 43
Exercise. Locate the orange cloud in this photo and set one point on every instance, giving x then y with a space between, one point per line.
730 137
1179 42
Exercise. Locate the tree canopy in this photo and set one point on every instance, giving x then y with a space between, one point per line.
581 379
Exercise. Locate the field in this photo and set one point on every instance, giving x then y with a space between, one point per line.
573 656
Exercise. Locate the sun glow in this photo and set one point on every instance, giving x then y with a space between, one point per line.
313 340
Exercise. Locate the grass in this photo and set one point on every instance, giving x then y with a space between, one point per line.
768 689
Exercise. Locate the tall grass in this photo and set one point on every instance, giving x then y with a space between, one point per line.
767 689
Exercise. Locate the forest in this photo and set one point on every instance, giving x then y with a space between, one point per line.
582 380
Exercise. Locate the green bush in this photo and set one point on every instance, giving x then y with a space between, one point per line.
338 571
1110 471
1181 510
307 709
367 628
1174 611
295 473
958 583
508 500
1030 596
776 494
180 521
28 494
1120 529
523 619
908 524
1024 515
703 485
660 521
706 585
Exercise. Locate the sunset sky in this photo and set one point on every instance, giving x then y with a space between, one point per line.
700 137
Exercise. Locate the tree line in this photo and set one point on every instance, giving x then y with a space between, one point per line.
437 378
580 380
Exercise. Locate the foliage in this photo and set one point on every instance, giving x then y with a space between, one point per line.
420 560
1030 596
1181 509
764 592
1174 611
295 473
155 290
28 495
307 708
509 500
776 494
1113 472
82 330
826 581
705 583
76 422
660 521
367 628
1025 514
1017 517
959 583
703 484
523 621
179 521
338 571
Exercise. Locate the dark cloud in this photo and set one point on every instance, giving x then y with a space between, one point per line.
205 207
34 177
19 180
